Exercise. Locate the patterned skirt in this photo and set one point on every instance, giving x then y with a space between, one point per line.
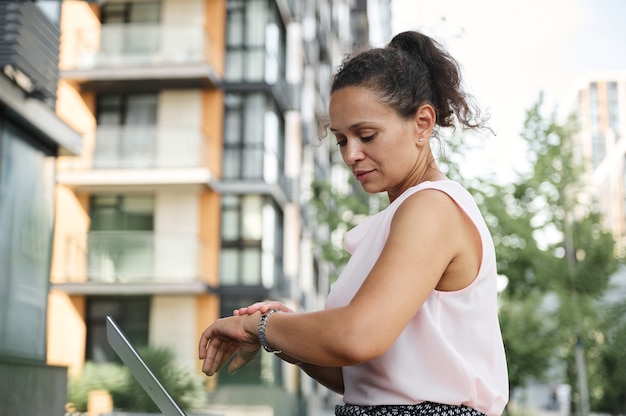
421 409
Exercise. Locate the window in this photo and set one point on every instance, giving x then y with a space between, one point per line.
598 149
131 29
131 12
598 139
255 42
624 187
132 313
251 251
253 138
127 109
613 109
121 239
126 133
122 213
51 8
26 221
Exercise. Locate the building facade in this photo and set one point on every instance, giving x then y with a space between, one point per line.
199 127
602 137
31 137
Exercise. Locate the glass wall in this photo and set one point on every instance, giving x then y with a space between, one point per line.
253 138
121 238
255 42
126 130
130 312
26 224
252 229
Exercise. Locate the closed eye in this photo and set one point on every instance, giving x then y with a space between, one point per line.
342 142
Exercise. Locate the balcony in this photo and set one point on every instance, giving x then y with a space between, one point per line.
152 55
123 262
151 147
140 155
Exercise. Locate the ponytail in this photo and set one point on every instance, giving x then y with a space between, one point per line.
411 71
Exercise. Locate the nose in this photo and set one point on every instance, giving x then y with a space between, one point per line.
352 152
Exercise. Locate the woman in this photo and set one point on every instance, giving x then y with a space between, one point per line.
411 326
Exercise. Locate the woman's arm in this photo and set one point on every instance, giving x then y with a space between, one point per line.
329 377
420 247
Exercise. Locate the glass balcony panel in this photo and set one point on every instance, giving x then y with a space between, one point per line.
124 147
118 44
130 256
232 164
251 266
234 66
229 266
253 164
255 66
137 147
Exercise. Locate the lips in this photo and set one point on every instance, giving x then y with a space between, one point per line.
361 174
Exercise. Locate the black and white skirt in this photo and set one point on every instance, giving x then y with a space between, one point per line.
421 409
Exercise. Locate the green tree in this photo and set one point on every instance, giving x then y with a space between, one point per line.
337 212
526 320
610 395
550 241
552 248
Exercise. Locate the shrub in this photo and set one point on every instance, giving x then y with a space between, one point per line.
185 386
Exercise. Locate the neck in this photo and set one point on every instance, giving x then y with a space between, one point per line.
430 173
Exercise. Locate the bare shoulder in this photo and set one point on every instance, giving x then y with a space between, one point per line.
432 205
432 215
432 218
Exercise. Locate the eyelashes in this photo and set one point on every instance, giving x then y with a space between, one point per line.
365 139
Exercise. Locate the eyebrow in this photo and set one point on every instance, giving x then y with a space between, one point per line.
352 127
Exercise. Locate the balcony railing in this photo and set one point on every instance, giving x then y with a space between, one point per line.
141 44
132 257
147 147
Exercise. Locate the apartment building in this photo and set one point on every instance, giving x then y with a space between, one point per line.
31 137
198 124
602 116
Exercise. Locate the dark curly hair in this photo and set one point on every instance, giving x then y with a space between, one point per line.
413 69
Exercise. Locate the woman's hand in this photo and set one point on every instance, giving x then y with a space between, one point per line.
226 336
262 307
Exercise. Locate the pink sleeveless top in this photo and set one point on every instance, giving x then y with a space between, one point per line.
451 352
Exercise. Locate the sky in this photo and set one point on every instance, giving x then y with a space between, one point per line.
511 51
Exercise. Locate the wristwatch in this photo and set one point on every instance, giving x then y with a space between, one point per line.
262 328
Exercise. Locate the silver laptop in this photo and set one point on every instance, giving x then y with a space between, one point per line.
129 355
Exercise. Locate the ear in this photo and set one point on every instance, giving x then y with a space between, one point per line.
425 118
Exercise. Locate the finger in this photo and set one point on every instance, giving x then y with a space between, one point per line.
262 307
210 356
203 344
244 356
218 352
225 352
236 364
273 305
280 307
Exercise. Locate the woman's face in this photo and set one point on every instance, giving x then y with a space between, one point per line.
381 149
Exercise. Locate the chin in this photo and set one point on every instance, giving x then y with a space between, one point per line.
371 189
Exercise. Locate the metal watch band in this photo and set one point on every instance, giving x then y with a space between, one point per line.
262 329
